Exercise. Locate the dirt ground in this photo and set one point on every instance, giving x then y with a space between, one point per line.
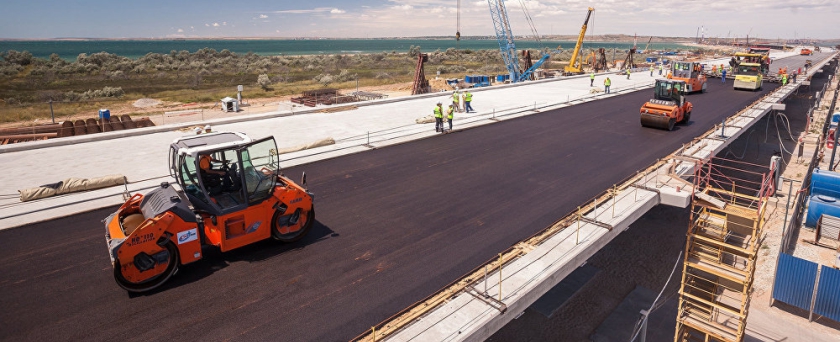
155 109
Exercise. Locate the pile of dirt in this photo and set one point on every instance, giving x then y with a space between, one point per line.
145 103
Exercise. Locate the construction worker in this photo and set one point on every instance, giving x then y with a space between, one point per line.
723 76
714 69
214 180
467 100
456 100
784 79
651 70
607 84
660 69
793 77
449 114
628 73
592 79
721 68
438 112
207 129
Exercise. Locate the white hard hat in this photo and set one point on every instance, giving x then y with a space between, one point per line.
207 127
197 130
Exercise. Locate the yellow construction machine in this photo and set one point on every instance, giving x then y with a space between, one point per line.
574 66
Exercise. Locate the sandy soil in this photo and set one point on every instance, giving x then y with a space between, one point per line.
155 109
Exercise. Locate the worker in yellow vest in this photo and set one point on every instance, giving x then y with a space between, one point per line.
456 99
660 69
467 100
438 112
607 84
628 73
651 70
449 114
592 79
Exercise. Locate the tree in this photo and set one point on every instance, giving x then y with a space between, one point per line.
264 81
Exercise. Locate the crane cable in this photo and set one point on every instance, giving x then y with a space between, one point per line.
458 33
531 23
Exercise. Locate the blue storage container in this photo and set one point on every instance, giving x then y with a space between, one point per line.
500 78
825 183
835 118
468 79
819 205
105 114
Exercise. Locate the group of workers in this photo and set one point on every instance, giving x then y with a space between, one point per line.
607 81
439 113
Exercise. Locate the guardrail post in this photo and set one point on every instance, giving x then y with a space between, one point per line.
636 191
615 193
577 237
500 277
374 333
485 280
368 137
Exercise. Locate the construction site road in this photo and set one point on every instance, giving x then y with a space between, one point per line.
394 225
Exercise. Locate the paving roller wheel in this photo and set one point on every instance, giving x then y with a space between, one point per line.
290 228
658 121
154 282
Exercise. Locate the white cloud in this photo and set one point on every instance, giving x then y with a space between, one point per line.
180 31
306 11
224 23
337 11
405 7
215 24
208 25
263 16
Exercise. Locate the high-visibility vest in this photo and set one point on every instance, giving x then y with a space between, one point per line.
468 97
455 97
592 76
660 67
651 68
449 113
628 71
607 82
438 114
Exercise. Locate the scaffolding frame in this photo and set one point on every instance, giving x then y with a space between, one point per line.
727 219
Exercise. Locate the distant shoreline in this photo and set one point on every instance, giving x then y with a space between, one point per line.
597 38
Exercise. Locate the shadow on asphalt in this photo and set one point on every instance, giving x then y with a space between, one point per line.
214 260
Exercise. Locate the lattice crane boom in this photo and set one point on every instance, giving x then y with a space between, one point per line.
504 35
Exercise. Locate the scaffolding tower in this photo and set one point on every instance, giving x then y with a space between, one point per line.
727 218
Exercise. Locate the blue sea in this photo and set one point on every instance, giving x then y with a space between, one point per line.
70 49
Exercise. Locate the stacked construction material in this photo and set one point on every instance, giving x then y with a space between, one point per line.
326 96
71 128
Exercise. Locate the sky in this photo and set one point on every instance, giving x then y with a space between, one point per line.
44 19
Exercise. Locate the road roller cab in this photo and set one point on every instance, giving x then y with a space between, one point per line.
231 194
668 107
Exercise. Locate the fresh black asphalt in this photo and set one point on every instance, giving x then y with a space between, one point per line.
394 225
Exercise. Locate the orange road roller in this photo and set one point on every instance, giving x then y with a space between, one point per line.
230 193
668 107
